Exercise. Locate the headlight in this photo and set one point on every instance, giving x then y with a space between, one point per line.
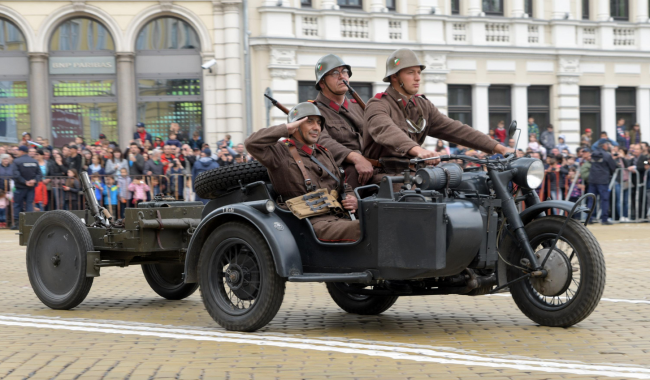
530 172
270 206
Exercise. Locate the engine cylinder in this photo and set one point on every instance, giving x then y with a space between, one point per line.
435 178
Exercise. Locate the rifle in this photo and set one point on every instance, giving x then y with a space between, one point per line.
278 104
355 95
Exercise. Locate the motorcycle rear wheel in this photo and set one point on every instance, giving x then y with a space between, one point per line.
585 278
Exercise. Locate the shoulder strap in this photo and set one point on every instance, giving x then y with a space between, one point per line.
338 181
303 170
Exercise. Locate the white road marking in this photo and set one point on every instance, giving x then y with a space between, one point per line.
602 299
340 345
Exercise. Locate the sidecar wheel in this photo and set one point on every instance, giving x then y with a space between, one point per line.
56 260
359 304
167 281
576 278
239 285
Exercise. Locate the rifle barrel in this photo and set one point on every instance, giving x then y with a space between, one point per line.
355 95
278 105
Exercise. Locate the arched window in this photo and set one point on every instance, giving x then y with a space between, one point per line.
81 34
169 78
83 80
14 75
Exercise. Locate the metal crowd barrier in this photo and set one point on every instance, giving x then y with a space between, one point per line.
60 199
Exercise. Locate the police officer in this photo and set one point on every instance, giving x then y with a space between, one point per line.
398 120
298 165
343 131
26 175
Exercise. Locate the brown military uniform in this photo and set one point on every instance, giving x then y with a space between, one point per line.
289 183
343 132
387 135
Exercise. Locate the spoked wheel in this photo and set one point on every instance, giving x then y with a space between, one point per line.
361 304
167 280
576 274
239 285
56 260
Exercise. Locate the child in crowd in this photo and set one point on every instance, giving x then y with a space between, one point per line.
123 182
173 141
500 132
40 196
71 189
4 203
139 190
111 191
99 187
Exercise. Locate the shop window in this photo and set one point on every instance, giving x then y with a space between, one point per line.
81 34
459 101
14 94
590 111
167 33
11 38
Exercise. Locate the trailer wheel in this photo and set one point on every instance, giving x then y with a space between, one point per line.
359 304
56 260
208 184
167 280
239 285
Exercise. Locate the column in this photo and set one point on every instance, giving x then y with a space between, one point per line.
126 99
602 11
474 8
561 8
520 113
38 92
425 6
643 110
517 8
434 80
608 110
283 69
568 101
480 111
377 6
234 100
215 116
641 11
328 4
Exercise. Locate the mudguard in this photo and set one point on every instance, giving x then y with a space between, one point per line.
527 216
280 240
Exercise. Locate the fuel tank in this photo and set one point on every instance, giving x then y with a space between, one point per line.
465 230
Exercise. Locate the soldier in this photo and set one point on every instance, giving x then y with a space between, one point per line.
298 166
343 130
398 121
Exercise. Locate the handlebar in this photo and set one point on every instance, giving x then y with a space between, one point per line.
448 157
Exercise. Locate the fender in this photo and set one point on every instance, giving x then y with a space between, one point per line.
527 216
280 240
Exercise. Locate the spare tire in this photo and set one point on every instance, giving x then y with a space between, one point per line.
210 183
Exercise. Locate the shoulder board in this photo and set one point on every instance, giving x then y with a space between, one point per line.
421 96
379 95
353 100
321 147
311 101
289 142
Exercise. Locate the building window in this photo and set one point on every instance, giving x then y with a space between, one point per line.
305 3
585 9
83 99
390 4
455 7
620 10
459 100
499 105
590 111
307 91
14 77
539 106
493 7
625 107
168 77
528 8
350 3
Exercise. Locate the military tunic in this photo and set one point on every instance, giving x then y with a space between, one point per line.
387 135
342 133
288 181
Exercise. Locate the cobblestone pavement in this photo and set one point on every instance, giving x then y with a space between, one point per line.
124 330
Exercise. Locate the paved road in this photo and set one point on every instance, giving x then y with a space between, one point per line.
124 330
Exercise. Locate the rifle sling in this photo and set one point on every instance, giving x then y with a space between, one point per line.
338 181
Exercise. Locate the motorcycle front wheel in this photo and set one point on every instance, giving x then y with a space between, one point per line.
576 278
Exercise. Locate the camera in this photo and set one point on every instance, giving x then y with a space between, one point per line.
209 64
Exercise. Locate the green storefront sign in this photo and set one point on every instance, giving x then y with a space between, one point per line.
82 65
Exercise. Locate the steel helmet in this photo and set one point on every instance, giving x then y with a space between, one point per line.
304 109
326 64
401 59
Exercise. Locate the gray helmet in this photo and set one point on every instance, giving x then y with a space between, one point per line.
401 59
304 109
326 64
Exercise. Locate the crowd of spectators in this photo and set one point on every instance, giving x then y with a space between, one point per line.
35 176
